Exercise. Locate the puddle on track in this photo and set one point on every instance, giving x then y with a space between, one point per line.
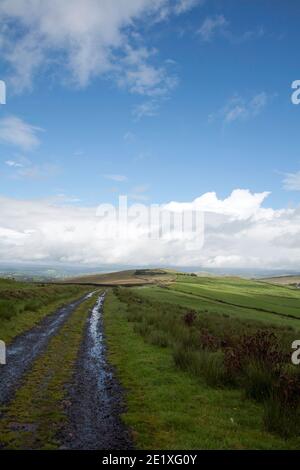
95 395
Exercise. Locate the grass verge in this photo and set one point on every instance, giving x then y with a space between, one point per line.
23 305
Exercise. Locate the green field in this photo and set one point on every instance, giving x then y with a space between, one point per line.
181 393
248 300
170 409
243 293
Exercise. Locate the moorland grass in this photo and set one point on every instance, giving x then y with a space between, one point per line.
169 407
220 350
23 305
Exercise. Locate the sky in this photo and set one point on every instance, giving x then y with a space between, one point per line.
183 103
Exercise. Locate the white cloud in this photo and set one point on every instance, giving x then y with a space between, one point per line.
211 26
238 108
291 181
37 172
13 164
86 39
147 109
239 232
240 205
258 103
117 178
183 6
14 131
246 36
215 26
144 79
23 169
129 137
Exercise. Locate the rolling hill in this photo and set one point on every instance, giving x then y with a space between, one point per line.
132 277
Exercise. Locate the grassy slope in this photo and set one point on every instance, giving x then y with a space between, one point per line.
168 408
36 415
238 298
244 293
23 305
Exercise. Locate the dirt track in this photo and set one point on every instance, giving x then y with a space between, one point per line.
95 395
95 399
27 347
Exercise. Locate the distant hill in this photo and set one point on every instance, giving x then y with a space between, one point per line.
132 277
283 280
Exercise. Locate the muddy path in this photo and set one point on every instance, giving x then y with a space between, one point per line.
27 347
95 395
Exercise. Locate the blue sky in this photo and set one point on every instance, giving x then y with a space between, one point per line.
163 101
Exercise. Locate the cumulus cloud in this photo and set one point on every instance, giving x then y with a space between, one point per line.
240 205
239 232
14 131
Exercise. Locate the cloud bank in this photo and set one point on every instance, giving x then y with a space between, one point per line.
239 232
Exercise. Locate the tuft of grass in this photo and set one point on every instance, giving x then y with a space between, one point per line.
142 329
33 305
281 420
158 338
205 365
282 409
8 309
258 381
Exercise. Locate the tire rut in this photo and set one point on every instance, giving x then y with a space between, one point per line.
22 352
